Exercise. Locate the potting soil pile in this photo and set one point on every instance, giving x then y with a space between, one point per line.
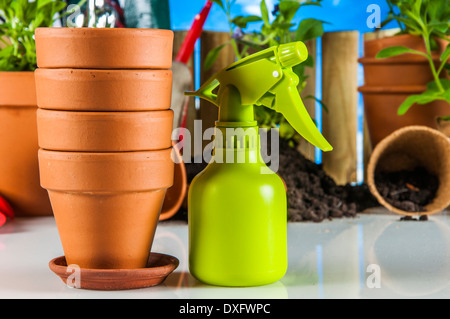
312 195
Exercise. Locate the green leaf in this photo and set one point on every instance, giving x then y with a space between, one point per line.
439 26
431 94
324 107
411 100
446 54
288 9
432 86
42 3
395 51
58 6
309 29
212 56
242 22
282 25
444 118
265 13
219 2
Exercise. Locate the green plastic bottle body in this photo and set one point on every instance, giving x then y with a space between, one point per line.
237 225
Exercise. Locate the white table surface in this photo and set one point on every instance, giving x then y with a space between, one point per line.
333 259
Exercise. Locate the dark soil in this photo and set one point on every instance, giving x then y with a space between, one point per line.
422 218
312 195
409 191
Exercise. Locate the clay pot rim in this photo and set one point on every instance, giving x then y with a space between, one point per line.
375 155
408 89
139 48
118 114
148 171
406 59
389 38
102 32
101 155
107 71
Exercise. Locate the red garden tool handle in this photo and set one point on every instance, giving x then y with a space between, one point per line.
188 44
5 211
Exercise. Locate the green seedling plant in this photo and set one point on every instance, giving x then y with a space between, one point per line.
428 19
18 22
279 30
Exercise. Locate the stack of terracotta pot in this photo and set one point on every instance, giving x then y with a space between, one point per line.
104 129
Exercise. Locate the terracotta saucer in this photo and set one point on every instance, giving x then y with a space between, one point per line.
158 268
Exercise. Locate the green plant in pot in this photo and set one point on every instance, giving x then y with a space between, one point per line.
409 68
279 30
19 184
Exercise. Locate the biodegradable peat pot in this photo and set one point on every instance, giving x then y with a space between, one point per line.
106 205
406 149
444 126
388 82
103 90
19 169
104 131
104 48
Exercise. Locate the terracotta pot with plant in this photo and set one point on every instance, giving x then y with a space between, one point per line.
408 69
104 128
19 182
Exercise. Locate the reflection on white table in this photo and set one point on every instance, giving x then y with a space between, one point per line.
374 255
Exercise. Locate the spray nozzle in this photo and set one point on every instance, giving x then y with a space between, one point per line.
291 54
264 78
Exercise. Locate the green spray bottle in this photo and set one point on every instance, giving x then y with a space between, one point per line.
237 207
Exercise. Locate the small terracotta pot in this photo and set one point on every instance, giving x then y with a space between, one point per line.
104 131
106 205
381 105
104 48
103 90
406 149
19 170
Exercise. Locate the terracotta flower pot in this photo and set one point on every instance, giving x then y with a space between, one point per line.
106 205
19 170
388 82
406 149
381 105
104 48
103 90
104 131
402 70
176 194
